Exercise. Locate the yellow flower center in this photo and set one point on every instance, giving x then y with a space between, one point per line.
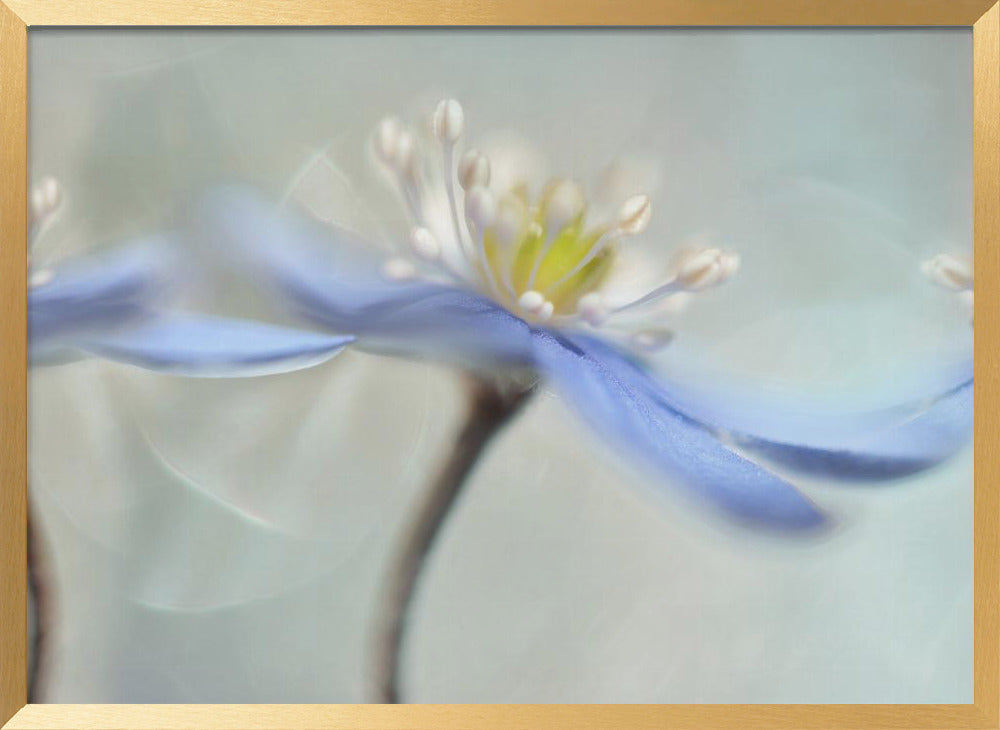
544 253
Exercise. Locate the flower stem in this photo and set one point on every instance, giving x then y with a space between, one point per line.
39 585
491 406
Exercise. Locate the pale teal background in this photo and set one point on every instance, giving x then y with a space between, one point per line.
221 541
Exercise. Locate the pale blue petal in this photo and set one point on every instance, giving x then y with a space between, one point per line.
614 396
923 441
328 273
332 279
451 325
211 347
97 292
865 445
739 411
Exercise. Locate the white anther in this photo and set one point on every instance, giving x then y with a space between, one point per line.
473 170
480 207
532 302
405 154
564 205
706 268
424 244
953 272
633 216
535 229
449 121
652 340
386 140
592 309
40 277
45 199
730 264
52 191
397 269
545 313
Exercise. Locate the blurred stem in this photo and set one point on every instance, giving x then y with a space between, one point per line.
40 587
491 405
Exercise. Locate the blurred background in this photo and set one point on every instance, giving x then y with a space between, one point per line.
222 541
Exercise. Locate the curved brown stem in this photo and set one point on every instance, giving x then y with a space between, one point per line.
40 588
491 407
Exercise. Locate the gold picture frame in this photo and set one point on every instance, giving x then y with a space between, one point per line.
18 16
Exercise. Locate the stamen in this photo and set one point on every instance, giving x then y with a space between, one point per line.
395 147
426 247
449 121
480 207
707 268
386 139
411 196
698 271
405 156
633 216
44 201
563 207
633 219
424 244
545 313
532 302
507 229
671 287
473 170
953 272
449 186
481 211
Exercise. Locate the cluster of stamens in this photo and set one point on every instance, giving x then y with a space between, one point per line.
537 257
950 271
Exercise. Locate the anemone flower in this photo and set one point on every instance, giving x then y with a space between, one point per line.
114 306
517 285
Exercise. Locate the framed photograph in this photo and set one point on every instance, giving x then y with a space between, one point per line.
499 365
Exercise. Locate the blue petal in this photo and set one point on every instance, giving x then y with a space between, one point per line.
618 399
739 412
910 446
866 445
333 279
203 346
98 292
